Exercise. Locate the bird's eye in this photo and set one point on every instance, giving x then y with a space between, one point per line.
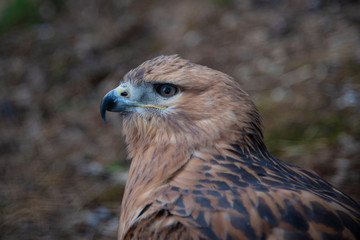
166 90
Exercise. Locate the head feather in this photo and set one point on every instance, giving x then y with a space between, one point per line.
210 109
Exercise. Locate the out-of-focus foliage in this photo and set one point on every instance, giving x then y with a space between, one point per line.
300 138
62 170
22 13
19 12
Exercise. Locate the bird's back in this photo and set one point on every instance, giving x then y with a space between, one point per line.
200 168
246 193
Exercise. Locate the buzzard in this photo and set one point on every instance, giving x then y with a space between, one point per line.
200 168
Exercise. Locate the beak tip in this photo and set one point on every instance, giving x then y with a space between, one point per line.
103 116
113 103
103 109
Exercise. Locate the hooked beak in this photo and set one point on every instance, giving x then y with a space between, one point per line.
117 101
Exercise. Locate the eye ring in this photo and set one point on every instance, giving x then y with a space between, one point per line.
166 90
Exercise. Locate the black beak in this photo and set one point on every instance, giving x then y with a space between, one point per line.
113 102
117 101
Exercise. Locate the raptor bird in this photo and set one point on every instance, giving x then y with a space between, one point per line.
200 169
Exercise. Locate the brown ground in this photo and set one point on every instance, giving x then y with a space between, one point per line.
62 170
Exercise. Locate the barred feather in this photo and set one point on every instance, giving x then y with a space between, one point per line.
200 169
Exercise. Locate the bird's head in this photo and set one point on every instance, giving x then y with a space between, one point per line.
170 100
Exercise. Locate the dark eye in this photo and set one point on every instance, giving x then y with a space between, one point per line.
166 90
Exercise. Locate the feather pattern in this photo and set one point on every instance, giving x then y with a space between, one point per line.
200 168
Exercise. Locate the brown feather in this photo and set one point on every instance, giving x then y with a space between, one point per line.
200 169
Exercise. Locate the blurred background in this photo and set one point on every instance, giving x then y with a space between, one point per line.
62 170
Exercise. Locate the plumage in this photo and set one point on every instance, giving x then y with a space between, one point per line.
200 169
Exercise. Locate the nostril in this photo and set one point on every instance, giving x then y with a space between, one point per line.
124 94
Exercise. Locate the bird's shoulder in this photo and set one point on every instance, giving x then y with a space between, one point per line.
244 213
240 195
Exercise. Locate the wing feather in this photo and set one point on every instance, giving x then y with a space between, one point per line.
272 205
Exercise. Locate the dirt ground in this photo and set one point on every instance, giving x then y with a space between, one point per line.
62 170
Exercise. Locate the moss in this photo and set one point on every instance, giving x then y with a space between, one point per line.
19 12
23 13
301 137
110 194
115 166
221 3
350 70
